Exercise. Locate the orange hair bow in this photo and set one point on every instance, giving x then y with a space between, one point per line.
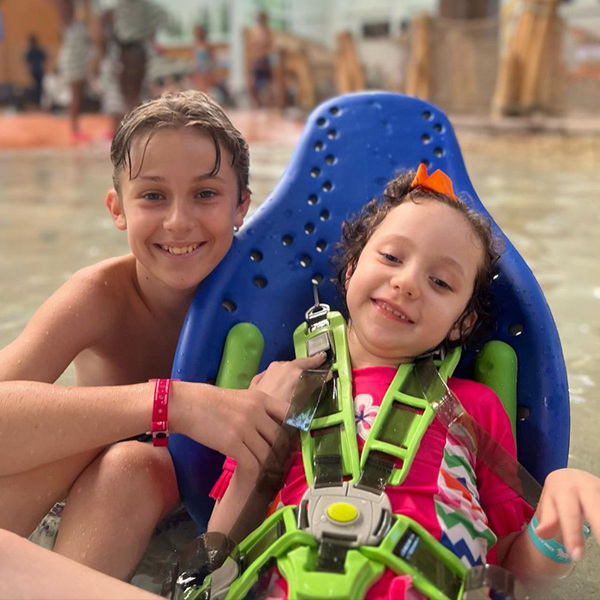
438 181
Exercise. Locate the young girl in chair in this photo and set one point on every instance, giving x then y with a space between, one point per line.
415 270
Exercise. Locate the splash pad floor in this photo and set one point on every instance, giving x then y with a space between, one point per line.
37 130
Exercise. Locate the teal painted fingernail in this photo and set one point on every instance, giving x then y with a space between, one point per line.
587 531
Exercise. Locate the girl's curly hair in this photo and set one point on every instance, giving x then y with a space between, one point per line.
357 231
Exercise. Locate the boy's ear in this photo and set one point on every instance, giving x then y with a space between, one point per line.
242 208
463 327
116 212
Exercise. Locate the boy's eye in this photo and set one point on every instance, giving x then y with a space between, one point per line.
152 196
206 194
440 283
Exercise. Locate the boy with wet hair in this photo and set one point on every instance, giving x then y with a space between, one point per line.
180 188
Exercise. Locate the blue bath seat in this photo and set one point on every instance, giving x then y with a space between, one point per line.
351 146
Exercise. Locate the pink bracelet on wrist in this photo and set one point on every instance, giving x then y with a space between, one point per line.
160 411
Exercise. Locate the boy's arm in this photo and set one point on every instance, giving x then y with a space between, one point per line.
44 422
53 422
70 321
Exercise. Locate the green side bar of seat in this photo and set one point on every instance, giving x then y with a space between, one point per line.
496 367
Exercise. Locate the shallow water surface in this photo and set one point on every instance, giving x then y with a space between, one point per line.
543 190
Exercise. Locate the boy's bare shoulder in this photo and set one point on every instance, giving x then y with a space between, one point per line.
83 313
101 292
109 281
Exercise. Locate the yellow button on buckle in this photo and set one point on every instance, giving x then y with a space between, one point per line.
342 512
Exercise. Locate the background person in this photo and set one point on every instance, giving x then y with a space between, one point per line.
259 62
131 25
203 61
36 57
73 65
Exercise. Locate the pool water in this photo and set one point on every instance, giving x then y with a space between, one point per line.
543 190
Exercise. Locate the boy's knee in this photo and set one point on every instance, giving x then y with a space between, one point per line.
134 471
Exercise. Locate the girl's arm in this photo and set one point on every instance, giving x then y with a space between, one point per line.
280 379
569 497
229 508
528 564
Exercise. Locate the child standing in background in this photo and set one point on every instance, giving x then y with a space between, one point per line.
73 62
203 61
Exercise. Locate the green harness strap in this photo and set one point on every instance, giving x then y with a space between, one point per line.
330 457
401 421
407 549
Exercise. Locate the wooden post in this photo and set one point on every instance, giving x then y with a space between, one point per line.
349 74
527 56
418 76
545 13
468 9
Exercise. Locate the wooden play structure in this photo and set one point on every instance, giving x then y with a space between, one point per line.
306 72
531 73
349 72
419 75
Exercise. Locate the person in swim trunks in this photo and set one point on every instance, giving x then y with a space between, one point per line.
260 57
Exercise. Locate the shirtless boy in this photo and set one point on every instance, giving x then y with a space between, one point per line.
260 72
180 188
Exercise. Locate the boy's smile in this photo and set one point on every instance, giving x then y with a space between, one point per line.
412 283
179 216
179 250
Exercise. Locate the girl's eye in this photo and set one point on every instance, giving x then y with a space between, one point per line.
152 196
390 257
440 283
206 194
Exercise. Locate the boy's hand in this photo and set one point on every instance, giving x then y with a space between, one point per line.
280 378
569 496
242 424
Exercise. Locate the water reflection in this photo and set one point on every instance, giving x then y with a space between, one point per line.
544 191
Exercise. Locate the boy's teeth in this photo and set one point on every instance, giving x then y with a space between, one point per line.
180 250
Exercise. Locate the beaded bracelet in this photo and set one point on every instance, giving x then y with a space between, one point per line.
160 411
551 548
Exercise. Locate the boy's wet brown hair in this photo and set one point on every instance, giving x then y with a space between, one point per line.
357 231
188 109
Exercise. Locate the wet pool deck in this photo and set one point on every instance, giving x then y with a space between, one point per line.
22 131
28 131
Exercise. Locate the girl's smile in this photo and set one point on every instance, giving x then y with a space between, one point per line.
392 311
412 283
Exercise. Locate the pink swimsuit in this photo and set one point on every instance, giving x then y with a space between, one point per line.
458 500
